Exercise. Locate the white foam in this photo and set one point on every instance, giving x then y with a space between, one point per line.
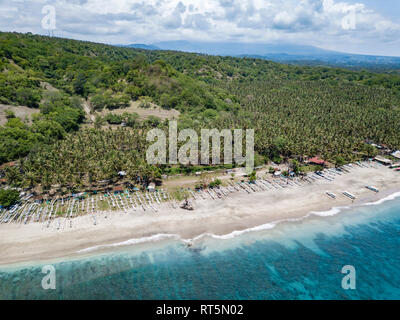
331 212
233 234
154 238
388 198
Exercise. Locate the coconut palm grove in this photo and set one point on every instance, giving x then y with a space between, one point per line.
79 129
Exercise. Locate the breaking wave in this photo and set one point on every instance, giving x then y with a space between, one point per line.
233 234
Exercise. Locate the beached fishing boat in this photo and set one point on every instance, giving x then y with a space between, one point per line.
349 195
372 188
332 195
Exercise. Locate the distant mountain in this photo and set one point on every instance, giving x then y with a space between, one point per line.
237 49
142 46
279 52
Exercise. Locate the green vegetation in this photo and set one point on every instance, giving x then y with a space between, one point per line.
85 157
296 111
253 176
215 183
190 169
339 161
8 197
271 170
57 116
298 119
310 168
295 165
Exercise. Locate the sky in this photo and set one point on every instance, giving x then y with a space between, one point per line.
354 26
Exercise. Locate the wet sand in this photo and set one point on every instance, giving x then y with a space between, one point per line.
239 211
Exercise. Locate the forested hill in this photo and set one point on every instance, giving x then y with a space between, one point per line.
114 74
296 111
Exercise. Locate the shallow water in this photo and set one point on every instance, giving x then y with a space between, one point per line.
293 260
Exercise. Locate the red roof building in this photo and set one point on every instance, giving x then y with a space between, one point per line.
8 164
316 161
118 189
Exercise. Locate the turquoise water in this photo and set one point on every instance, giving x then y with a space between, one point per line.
294 260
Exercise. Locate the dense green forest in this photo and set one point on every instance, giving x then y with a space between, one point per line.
296 111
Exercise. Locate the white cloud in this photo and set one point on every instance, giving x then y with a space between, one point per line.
334 24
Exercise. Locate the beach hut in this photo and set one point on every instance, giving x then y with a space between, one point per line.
118 189
8 165
152 187
122 173
317 161
38 199
277 173
79 196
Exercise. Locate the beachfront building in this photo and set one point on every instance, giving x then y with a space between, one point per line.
8 165
277 173
122 174
317 161
38 199
152 187
396 154
118 189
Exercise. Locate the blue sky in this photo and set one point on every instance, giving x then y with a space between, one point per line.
356 26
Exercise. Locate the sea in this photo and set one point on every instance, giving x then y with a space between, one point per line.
343 253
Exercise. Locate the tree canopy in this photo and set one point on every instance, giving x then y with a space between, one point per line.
296 111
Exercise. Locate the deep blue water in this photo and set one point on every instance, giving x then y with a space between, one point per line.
295 260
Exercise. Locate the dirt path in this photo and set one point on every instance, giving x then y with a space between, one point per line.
86 107
19 111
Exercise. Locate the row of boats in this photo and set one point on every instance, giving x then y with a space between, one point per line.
133 201
261 184
346 169
69 208
350 195
330 174
53 210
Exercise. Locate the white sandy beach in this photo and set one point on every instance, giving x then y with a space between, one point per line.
240 211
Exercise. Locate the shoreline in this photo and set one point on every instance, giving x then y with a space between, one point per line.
220 219
387 196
